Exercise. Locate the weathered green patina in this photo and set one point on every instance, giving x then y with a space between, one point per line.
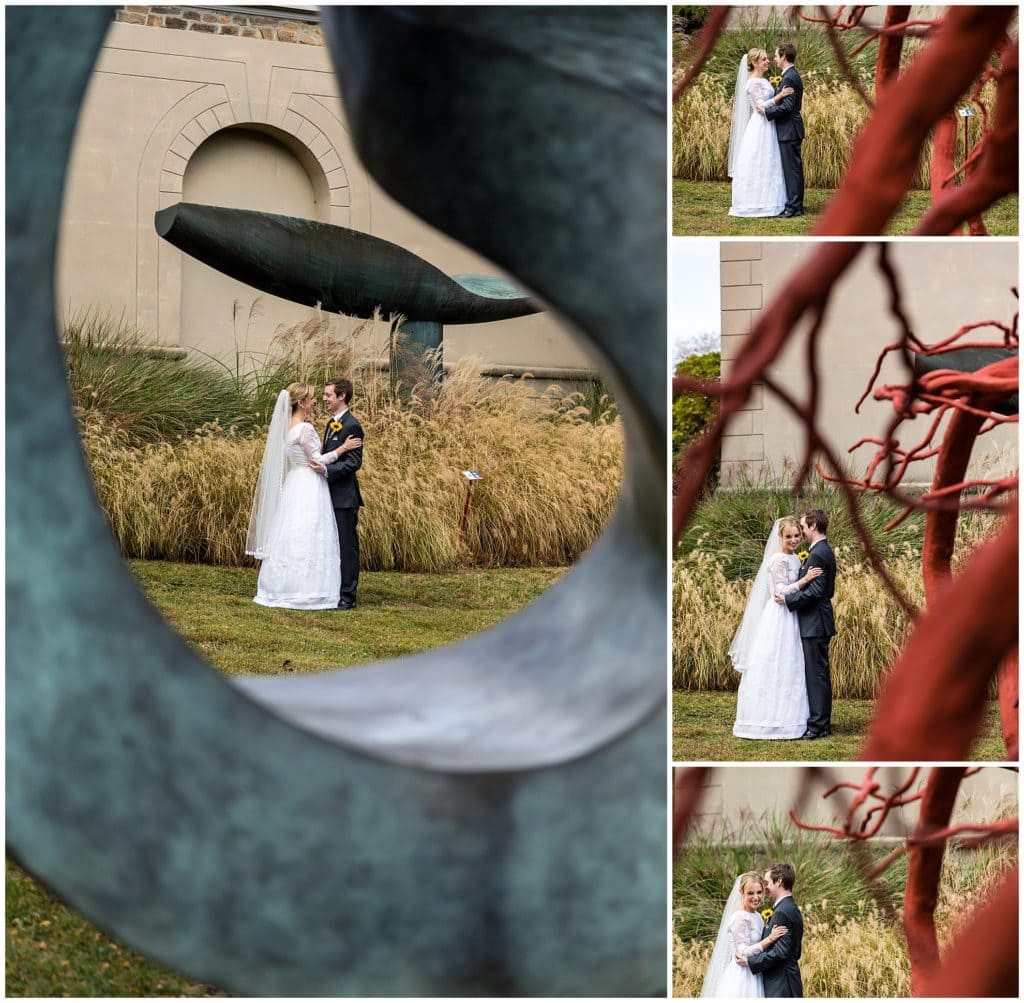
339 269
970 360
487 819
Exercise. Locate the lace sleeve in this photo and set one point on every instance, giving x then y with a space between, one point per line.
756 97
779 576
310 444
740 932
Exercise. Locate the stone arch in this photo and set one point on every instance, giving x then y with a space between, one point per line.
315 135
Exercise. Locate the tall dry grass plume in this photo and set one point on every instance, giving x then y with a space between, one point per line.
833 115
858 956
707 609
551 472
721 550
851 948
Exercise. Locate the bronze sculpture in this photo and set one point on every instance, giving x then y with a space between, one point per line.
487 819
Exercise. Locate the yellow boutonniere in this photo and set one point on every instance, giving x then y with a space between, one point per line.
766 913
803 555
775 80
335 426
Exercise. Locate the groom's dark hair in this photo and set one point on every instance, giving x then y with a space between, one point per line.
817 519
787 50
343 388
783 874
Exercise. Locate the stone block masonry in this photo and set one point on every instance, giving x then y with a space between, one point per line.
212 21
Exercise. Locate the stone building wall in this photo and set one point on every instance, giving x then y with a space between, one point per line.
945 284
747 797
246 121
271 27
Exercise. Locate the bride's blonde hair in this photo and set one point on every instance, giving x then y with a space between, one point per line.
298 392
754 56
745 879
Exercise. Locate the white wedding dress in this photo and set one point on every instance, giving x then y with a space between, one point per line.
772 698
302 569
745 929
758 187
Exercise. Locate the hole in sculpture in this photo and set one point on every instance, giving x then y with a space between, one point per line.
175 368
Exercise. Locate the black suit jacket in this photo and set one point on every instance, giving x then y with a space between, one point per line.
778 965
341 475
813 604
789 126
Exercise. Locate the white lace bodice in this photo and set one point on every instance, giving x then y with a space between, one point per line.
745 930
759 93
784 571
302 445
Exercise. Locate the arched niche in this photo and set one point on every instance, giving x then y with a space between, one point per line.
250 166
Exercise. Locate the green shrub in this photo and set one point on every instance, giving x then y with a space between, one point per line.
691 412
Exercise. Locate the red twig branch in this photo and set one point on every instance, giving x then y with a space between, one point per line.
949 638
982 959
885 157
890 48
687 790
996 171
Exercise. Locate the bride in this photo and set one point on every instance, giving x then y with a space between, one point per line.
740 932
292 529
755 165
772 697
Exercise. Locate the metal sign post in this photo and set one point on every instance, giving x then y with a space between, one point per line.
471 478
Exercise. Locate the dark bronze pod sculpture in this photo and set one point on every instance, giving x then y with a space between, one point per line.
970 360
342 270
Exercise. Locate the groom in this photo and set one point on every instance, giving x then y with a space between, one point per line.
813 607
344 486
779 964
789 129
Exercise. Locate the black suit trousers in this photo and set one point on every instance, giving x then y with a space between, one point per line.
819 683
348 542
792 173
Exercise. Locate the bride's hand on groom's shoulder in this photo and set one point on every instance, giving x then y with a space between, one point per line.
777 933
813 573
352 442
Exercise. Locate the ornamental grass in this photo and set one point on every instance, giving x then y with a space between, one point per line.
853 944
833 115
551 465
707 609
719 554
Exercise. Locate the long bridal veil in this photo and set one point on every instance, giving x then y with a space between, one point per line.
760 596
740 112
267 498
722 954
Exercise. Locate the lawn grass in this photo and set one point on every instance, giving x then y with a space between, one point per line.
702 732
398 614
51 951
701 209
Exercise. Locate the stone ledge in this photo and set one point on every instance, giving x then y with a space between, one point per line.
225 21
